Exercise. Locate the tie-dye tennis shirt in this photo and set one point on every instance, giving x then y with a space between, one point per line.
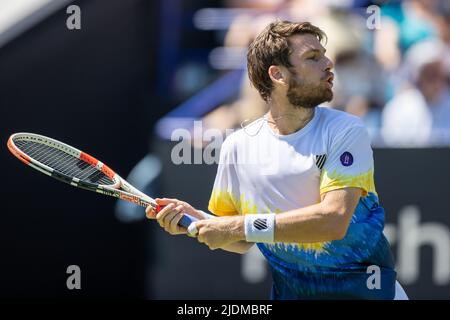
264 172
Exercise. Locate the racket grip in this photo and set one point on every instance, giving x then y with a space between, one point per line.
185 220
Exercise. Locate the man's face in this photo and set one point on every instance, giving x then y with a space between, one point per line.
310 77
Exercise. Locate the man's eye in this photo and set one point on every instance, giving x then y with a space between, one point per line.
315 58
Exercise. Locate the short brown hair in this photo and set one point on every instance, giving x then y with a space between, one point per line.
271 47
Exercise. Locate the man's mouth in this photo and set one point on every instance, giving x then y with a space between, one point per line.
329 79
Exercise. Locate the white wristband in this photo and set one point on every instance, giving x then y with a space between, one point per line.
260 227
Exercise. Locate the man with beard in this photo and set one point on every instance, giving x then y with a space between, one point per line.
298 182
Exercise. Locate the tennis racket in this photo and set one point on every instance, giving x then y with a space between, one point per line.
79 169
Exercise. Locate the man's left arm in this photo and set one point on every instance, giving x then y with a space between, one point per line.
325 221
346 176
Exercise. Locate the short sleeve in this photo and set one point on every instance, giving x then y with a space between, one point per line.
349 162
222 202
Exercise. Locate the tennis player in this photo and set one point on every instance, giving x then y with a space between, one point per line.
298 182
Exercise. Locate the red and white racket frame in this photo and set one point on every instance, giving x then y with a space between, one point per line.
120 189
129 193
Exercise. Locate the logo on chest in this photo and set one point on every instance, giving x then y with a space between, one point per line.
346 159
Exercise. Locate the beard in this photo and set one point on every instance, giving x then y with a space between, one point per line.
307 95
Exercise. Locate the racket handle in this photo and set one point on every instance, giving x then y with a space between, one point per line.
185 220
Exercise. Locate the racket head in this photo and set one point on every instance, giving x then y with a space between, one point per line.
61 161
70 165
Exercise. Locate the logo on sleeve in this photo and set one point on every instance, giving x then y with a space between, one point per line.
320 160
346 159
260 224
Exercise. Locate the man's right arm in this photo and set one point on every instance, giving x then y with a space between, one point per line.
240 247
172 212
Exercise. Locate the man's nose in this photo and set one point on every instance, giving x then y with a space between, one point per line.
329 64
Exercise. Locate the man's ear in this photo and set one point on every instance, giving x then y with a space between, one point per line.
278 75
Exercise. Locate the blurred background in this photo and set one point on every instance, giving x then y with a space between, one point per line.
137 70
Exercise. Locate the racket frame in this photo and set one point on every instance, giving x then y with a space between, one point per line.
129 193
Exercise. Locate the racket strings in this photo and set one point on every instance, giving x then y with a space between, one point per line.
50 157
63 162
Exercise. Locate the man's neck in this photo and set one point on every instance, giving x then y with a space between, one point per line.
286 118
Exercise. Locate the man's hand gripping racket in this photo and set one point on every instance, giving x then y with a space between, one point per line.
79 169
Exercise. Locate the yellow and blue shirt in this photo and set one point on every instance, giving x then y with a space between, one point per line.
264 172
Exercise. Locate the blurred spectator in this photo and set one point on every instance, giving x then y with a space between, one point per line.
403 24
360 84
400 67
357 73
419 115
